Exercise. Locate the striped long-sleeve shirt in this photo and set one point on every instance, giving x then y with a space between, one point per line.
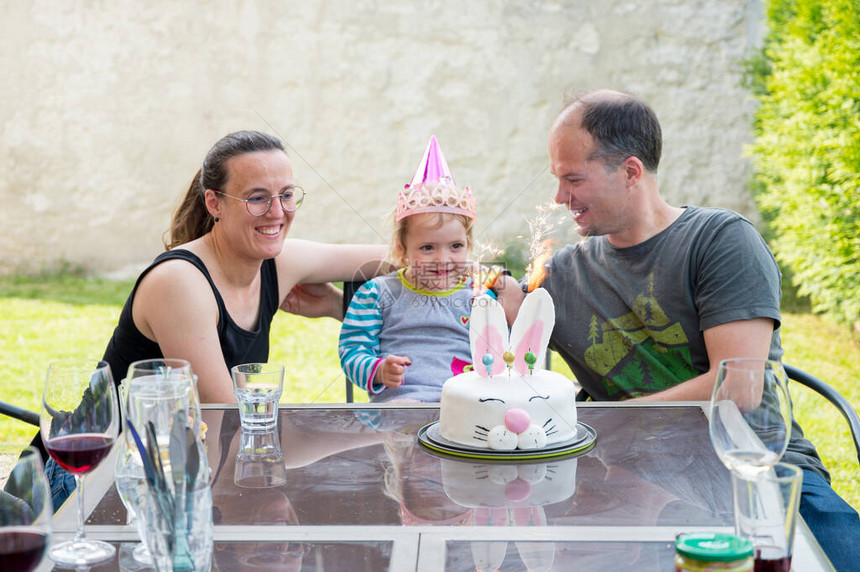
389 316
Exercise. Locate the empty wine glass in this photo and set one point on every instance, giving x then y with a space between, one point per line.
25 514
79 424
130 481
750 422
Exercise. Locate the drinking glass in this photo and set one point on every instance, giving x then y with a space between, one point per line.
79 423
131 487
152 390
25 514
165 370
258 388
165 402
766 509
750 422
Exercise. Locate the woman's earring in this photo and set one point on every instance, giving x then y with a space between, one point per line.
217 219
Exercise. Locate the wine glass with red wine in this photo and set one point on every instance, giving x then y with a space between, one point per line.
80 422
25 514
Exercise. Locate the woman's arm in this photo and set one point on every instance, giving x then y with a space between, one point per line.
175 306
305 262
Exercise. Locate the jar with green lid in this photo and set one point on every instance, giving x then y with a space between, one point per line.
713 551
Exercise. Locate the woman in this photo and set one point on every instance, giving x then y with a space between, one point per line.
211 297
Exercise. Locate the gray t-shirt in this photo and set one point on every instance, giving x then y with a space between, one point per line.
630 321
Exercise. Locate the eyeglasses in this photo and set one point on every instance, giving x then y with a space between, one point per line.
260 202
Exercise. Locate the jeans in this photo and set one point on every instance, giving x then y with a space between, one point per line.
62 483
832 521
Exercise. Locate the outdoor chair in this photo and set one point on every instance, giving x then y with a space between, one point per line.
15 412
349 290
832 396
812 383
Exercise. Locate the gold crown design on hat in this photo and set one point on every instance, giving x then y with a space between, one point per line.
432 189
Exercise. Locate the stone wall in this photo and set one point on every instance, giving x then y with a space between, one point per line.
109 107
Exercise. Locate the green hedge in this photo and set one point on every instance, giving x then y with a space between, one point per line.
807 147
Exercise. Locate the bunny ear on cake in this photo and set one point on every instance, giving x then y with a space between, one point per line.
532 329
488 334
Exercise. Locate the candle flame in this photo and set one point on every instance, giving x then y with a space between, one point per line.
537 272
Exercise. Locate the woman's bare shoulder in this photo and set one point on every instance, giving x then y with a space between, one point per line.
174 291
175 281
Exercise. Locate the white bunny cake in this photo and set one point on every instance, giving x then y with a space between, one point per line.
506 403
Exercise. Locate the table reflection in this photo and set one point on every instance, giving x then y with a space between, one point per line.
348 467
271 556
579 556
503 494
650 467
260 461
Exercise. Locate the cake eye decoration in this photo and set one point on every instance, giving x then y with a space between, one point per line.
488 360
530 359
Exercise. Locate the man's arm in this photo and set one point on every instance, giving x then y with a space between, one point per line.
314 301
742 338
510 296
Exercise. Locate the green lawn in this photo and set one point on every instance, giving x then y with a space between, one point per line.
43 319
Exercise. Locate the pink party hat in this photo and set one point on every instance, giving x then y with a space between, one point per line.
433 190
433 165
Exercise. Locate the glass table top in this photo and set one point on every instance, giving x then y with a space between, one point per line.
271 556
364 467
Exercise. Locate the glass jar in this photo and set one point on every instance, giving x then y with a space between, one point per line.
713 551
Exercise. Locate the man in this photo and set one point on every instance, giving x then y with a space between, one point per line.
655 296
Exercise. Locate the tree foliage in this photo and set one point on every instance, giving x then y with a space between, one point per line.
807 147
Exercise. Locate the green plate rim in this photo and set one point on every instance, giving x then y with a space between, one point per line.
578 448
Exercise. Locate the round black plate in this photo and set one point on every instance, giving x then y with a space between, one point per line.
583 441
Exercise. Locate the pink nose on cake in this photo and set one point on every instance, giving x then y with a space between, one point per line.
517 420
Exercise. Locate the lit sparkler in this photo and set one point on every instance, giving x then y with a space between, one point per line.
484 278
540 245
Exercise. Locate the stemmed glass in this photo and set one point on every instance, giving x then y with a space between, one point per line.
146 390
750 427
750 422
25 514
79 424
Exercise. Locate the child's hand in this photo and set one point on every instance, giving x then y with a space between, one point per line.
392 371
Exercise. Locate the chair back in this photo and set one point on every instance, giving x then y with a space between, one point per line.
832 396
349 290
16 412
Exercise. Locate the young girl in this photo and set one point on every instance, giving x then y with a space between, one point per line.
404 334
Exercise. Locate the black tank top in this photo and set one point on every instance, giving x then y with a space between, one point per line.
239 346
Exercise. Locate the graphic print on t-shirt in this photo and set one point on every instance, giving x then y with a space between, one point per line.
640 352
